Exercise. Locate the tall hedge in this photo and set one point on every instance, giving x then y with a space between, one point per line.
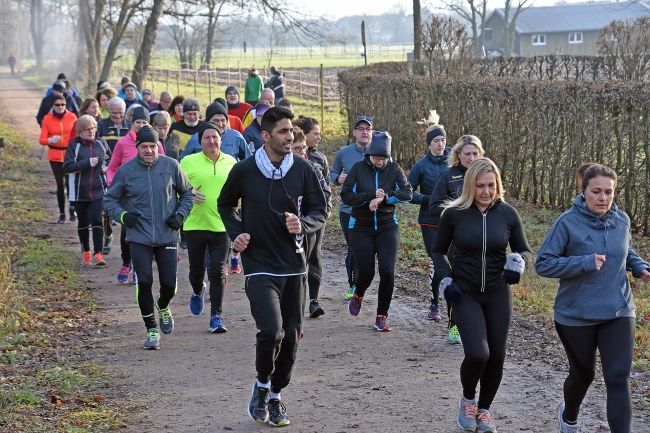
538 132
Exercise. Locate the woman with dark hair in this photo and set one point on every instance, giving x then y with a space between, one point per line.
56 131
449 186
373 187
589 250
91 107
310 127
84 163
176 108
481 225
103 96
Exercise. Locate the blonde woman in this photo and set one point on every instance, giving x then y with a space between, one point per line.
449 187
478 288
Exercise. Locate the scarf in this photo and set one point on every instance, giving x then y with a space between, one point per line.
57 115
233 106
268 169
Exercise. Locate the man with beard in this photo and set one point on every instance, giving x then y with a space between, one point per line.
190 123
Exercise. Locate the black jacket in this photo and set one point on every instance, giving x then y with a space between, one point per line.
424 174
107 131
319 158
46 106
448 187
172 145
86 183
276 83
481 239
272 249
360 188
327 190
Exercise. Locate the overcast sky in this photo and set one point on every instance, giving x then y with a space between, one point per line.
339 8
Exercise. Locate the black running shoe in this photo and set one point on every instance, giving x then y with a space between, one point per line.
277 413
315 309
258 408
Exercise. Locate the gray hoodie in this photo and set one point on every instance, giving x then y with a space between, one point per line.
587 296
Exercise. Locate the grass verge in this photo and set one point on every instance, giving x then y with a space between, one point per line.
46 384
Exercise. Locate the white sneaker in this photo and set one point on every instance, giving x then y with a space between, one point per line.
564 427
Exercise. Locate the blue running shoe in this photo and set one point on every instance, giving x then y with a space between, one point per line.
197 302
235 268
153 339
354 306
123 276
467 412
381 325
258 407
166 319
216 325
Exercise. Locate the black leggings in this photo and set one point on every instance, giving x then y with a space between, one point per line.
277 303
89 214
365 245
124 245
167 261
429 237
615 342
483 320
218 245
350 263
61 183
314 264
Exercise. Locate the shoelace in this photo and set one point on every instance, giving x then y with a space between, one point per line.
485 417
470 410
357 301
125 270
279 409
454 332
164 315
152 336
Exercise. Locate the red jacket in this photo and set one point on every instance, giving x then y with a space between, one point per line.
64 128
240 111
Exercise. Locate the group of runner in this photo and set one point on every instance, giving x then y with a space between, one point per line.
268 204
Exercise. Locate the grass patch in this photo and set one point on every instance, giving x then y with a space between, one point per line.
45 382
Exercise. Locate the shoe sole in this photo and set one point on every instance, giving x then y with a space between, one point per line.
102 263
487 431
122 282
382 329
218 330
248 409
151 348
281 424
235 271
454 341
317 312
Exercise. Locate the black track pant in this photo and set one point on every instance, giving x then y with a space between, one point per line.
218 245
429 237
483 320
124 245
167 261
314 264
615 342
61 184
383 243
89 214
350 263
277 304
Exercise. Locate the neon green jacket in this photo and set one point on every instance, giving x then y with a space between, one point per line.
211 176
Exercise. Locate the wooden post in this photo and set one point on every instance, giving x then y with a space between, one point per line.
153 86
300 82
196 76
178 85
167 80
228 74
239 74
322 98
210 86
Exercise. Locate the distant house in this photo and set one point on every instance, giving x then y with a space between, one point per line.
570 29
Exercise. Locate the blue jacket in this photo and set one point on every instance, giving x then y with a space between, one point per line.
120 94
425 174
253 135
345 158
232 143
587 296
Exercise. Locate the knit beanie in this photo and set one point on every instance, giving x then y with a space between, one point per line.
231 88
208 125
140 113
127 85
61 76
215 108
435 132
191 104
380 144
59 86
146 134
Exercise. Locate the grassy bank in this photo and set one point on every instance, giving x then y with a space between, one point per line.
46 382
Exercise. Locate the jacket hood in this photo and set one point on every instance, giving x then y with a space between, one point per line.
594 220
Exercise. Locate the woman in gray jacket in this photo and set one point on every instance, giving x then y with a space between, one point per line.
589 250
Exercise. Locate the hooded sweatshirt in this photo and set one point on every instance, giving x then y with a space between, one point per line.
587 296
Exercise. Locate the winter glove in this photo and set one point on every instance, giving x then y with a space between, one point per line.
54 139
175 221
514 268
130 218
448 289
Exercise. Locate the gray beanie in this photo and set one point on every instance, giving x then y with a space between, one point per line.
140 113
231 88
191 104
380 144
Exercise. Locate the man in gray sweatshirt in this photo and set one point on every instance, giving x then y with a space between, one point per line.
345 158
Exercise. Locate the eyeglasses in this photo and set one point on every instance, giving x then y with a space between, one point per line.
363 129
59 105
300 149
379 158
90 129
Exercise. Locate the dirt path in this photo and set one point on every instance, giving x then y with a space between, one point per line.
348 378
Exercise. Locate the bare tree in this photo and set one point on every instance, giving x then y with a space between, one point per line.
148 43
628 43
90 22
187 31
475 13
447 46
510 23
417 30
42 17
118 16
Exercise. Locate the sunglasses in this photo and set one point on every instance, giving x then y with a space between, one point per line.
59 105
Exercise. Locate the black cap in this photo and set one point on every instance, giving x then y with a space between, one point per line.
59 86
380 144
146 134
208 125
61 76
215 108
140 113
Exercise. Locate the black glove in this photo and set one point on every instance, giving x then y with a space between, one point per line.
514 268
448 289
130 218
175 221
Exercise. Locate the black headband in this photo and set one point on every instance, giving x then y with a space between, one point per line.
435 133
